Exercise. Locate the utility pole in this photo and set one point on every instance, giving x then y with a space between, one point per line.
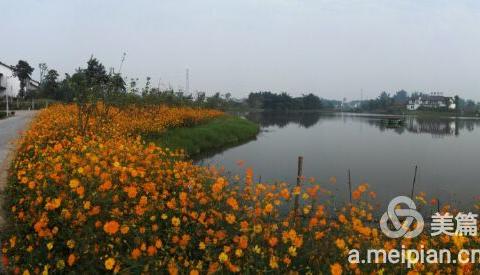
121 63
187 82
6 94
6 99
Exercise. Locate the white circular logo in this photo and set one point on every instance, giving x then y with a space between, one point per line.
410 214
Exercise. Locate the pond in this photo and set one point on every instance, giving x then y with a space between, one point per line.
446 151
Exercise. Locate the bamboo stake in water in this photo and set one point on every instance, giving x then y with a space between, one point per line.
299 181
414 179
350 185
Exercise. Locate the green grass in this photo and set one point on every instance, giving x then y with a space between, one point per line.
213 135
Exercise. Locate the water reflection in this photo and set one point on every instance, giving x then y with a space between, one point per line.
435 126
368 145
268 119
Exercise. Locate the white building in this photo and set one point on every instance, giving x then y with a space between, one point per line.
10 84
433 101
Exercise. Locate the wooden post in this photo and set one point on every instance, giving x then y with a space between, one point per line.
299 182
350 185
413 184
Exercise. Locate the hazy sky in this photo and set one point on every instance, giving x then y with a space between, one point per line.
331 48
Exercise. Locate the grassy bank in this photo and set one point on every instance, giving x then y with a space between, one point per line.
215 134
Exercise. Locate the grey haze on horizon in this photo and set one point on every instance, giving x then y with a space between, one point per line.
330 48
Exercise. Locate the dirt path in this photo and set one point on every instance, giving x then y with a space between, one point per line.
10 129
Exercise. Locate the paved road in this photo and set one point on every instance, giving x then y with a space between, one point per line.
10 129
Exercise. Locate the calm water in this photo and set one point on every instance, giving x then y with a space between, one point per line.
447 152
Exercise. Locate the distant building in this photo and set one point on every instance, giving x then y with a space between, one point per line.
10 84
433 101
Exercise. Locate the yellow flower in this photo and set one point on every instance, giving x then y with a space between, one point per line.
50 245
223 257
230 218
201 246
292 250
176 221
273 262
109 263
268 208
71 244
60 264
238 252
74 183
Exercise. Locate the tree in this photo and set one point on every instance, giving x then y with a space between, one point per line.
400 97
49 85
384 100
88 87
200 98
311 102
457 103
23 71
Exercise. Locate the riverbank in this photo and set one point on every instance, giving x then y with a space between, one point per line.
215 134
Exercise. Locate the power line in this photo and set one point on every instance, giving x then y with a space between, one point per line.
187 81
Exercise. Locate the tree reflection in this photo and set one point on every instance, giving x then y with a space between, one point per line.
282 119
437 127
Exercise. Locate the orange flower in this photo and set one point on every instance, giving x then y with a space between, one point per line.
131 191
243 242
272 241
232 202
111 227
151 250
53 204
336 269
230 218
183 198
124 229
340 243
356 194
136 253
105 186
268 208
80 191
71 259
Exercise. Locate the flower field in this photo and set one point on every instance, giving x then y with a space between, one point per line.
110 202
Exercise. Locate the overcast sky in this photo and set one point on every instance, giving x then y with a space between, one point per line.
331 48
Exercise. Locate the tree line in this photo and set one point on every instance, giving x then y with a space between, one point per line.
112 88
281 102
387 102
